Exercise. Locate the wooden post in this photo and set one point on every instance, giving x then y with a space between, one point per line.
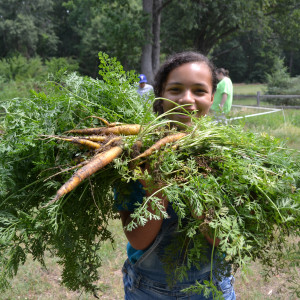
258 98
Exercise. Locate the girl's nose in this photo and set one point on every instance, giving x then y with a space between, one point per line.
187 98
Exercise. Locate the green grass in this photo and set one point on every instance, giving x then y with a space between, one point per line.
248 89
240 89
35 283
245 101
284 124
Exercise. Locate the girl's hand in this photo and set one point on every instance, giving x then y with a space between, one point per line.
154 190
206 230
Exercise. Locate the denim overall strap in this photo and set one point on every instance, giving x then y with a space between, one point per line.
146 279
150 265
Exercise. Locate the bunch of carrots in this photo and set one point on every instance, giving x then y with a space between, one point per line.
106 143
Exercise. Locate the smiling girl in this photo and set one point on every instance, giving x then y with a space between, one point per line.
186 79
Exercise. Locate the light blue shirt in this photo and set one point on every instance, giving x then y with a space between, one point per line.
145 91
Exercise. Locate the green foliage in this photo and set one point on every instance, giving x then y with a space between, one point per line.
249 56
26 28
285 24
19 68
19 76
121 20
245 184
207 289
71 230
244 36
270 32
207 22
61 64
13 89
279 82
239 181
57 67
110 26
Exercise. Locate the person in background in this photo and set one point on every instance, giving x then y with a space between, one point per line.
144 88
223 96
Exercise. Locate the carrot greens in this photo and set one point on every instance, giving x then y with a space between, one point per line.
244 184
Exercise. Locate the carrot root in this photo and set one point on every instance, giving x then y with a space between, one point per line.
113 140
80 141
99 118
95 164
105 121
130 129
95 138
162 142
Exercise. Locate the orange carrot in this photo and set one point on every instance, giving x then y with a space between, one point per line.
162 142
95 164
104 121
68 169
95 138
129 129
99 118
115 139
80 141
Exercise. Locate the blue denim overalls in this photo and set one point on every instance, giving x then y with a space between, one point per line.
146 279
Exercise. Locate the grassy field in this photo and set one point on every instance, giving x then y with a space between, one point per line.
284 124
248 89
241 89
35 282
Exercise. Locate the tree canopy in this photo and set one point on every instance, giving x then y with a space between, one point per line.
243 36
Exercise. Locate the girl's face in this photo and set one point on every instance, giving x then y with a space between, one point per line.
190 85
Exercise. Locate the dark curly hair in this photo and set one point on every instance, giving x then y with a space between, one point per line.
172 63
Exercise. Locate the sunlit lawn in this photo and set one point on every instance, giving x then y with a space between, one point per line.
248 89
34 282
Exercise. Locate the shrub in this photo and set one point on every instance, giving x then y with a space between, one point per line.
279 82
57 67
20 68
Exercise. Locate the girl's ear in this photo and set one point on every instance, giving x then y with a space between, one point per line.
212 98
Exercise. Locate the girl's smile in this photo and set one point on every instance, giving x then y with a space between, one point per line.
189 85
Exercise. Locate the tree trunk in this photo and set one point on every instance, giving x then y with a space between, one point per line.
151 50
146 63
157 4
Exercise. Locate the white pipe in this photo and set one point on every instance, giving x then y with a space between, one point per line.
271 110
257 107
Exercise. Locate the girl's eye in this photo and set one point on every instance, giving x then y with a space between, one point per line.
174 89
199 91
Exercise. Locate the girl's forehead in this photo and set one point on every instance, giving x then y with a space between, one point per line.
194 67
190 71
